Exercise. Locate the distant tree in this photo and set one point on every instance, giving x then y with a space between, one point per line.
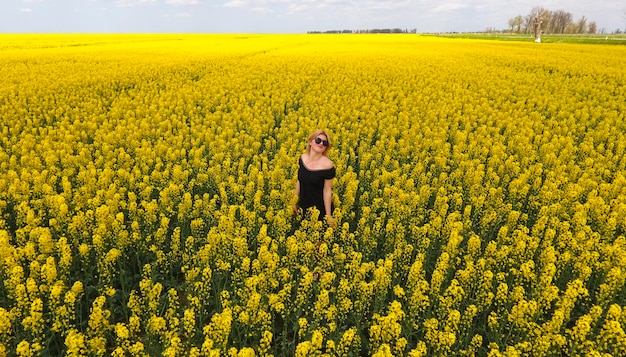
593 27
571 28
547 21
515 24
559 21
529 20
581 25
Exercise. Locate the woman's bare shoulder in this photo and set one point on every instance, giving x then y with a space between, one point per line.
327 163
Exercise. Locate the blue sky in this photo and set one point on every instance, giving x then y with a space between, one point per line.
285 16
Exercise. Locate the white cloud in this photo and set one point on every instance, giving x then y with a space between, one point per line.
389 5
178 15
133 3
262 10
450 6
32 1
26 9
300 3
293 8
235 3
182 2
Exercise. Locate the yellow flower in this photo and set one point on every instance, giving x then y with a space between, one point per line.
134 324
220 327
189 321
118 352
75 343
34 321
246 352
398 291
84 250
265 343
121 331
383 351
24 349
112 256
156 325
303 326
137 349
304 349
317 339
5 322
31 287
419 351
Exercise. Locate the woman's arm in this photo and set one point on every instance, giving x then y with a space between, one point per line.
296 193
328 196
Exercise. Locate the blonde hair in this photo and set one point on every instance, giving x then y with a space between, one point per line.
314 135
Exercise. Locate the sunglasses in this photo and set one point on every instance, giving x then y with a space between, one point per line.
320 141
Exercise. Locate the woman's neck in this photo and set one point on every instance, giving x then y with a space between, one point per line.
315 156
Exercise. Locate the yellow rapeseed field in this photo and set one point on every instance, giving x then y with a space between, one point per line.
146 184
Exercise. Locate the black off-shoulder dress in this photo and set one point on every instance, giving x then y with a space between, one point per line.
312 187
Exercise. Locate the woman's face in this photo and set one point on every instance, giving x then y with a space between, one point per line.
319 143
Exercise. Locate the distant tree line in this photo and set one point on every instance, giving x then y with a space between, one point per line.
553 22
550 22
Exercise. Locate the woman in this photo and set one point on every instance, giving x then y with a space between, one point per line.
315 176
